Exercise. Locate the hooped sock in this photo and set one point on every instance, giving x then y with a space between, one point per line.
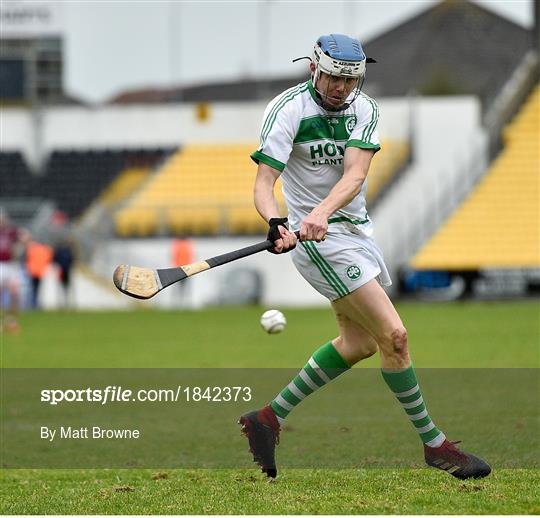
404 385
325 365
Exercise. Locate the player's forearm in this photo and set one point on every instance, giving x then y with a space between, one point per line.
342 194
356 167
266 204
263 195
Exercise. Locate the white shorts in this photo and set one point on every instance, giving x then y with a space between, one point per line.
10 273
341 264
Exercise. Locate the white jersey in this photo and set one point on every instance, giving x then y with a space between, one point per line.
307 144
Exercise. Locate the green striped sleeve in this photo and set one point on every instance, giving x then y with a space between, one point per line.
258 156
370 128
363 145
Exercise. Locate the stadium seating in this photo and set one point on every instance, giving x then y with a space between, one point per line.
75 178
15 178
124 185
137 222
207 189
193 220
385 165
246 220
498 225
199 191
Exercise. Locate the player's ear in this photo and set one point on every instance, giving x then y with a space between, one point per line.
312 67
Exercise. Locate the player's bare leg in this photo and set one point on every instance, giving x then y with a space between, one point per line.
354 343
370 307
262 427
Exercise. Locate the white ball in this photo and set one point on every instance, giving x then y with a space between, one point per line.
273 321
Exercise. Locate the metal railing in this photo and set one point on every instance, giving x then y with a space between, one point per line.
442 194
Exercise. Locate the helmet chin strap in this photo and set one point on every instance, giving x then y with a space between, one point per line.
321 96
329 107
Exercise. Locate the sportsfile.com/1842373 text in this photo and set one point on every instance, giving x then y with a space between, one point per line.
117 394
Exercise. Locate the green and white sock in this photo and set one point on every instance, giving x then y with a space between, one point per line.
405 387
325 365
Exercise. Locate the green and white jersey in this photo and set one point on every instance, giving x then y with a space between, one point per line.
307 144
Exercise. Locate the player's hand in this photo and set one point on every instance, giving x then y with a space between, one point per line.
314 227
284 241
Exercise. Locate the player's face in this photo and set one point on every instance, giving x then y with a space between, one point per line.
335 89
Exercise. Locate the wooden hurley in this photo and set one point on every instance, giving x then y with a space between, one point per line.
144 283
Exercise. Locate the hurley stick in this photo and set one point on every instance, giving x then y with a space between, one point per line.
144 283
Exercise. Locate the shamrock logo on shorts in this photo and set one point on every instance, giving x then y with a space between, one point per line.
354 272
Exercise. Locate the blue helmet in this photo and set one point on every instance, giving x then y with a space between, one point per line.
342 56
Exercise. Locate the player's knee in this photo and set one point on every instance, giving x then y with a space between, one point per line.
395 342
400 342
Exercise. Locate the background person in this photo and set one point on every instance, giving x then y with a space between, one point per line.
10 272
64 258
38 259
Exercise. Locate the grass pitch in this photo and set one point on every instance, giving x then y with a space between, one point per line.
481 335
245 492
469 335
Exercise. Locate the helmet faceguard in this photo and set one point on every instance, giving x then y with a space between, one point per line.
341 56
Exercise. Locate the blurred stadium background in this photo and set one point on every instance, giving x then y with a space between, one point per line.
162 176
